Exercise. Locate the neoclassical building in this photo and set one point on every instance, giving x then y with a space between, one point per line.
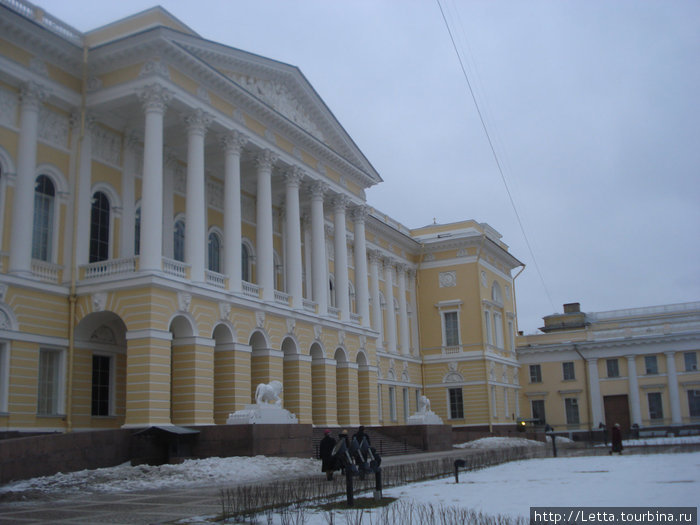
181 221
637 366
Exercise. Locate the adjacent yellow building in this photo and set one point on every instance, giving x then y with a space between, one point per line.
637 366
181 221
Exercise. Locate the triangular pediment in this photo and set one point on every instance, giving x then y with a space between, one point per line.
283 88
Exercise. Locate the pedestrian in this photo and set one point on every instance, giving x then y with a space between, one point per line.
326 454
360 435
616 439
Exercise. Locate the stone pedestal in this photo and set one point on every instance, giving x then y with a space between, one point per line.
261 414
424 418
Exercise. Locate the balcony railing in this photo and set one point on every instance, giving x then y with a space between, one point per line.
176 268
355 318
309 306
250 289
109 267
281 298
451 349
215 279
43 18
333 311
46 271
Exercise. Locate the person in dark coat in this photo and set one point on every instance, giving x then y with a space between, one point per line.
616 439
360 435
326 454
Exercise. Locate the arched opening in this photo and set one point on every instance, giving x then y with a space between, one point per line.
181 371
99 227
265 363
346 388
42 231
214 252
364 389
321 387
225 384
296 376
99 399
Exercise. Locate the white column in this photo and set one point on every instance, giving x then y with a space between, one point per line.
594 389
635 409
196 204
233 143
390 312
292 181
673 397
403 312
374 262
306 227
31 96
318 263
414 309
128 226
263 227
154 98
84 195
359 215
170 173
342 296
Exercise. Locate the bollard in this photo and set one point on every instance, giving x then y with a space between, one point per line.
459 463
348 486
378 485
554 445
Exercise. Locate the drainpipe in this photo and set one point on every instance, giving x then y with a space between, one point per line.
72 297
588 391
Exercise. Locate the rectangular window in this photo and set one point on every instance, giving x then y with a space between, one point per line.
392 403
456 403
101 375
379 402
568 370
405 404
489 335
571 406
613 368
650 365
691 361
694 403
49 382
535 374
537 406
451 320
656 410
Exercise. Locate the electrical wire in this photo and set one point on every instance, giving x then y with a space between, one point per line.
495 156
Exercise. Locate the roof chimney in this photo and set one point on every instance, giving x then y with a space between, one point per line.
572 308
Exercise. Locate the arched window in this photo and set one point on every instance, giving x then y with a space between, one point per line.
179 241
496 295
214 252
42 232
137 232
331 293
245 263
99 228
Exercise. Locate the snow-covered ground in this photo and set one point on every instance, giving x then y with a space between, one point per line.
511 488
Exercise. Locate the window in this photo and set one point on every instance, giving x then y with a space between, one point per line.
535 374
392 403
405 404
568 371
456 403
379 402
101 374
245 263
137 232
571 406
42 233
451 328
498 329
694 403
691 361
489 335
613 368
214 252
537 406
179 241
656 410
511 337
49 387
99 228
650 364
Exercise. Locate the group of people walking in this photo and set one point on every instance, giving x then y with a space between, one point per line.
334 456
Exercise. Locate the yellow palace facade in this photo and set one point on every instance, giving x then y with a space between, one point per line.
181 221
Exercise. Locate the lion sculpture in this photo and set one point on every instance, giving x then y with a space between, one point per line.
269 393
423 405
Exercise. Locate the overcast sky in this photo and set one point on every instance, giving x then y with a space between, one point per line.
593 108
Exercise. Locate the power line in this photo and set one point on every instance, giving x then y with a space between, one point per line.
495 156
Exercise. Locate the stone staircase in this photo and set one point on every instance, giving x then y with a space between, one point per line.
385 445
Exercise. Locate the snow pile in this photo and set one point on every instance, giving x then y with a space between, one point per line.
499 442
560 439
190 473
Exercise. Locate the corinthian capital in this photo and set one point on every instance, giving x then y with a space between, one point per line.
293 176
197 122
266 159
154 97
33 94
340 202
375 257
317 189
360 213
233 142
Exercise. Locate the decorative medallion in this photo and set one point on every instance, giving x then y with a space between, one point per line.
447 279
183 301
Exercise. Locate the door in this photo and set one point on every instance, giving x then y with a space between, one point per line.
617 411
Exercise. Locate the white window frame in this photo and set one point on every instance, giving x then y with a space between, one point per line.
498 329
573 402
539 368
392 403
647 368
448 307
564 369
450 406
690 365
661 406
60 387
544 410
